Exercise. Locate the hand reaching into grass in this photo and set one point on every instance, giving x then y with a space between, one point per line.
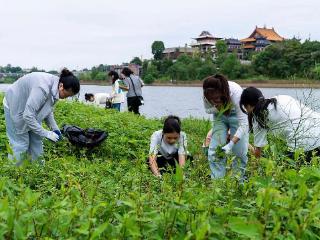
228 148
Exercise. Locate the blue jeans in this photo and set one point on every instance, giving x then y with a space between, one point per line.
24 144
116 106
221 125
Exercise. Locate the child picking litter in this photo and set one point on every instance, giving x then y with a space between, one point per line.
167 147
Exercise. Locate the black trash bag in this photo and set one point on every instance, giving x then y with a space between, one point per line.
84 137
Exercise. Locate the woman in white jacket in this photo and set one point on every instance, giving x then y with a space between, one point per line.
284 117
27 103
117 93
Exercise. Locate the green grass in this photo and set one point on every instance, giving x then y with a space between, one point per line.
109 193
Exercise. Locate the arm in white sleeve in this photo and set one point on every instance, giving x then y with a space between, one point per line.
242 117
183 144
259 135
36 100
154 145
115 89
51 122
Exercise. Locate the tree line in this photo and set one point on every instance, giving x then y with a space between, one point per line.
290 59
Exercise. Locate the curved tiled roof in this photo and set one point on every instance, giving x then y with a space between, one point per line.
250 39
269 33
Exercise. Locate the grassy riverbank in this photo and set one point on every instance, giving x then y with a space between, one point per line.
109 193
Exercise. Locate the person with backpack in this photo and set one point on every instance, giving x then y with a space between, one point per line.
168 146
284 117
28 102
117 93
134 86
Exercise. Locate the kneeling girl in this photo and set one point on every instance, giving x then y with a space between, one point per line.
167 147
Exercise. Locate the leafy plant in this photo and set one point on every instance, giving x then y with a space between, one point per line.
109 193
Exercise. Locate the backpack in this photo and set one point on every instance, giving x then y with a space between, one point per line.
79 137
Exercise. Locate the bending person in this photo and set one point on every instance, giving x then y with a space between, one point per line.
167 147
284 117
27 103
221 98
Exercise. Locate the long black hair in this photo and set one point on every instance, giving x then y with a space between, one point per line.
172 124
253 96
69 81
88 96
127 71
115 76
218 83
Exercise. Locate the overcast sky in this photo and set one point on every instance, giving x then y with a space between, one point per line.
52 34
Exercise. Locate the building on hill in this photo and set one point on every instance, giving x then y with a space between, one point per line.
174 52
259 39
137 69
234 46
206 43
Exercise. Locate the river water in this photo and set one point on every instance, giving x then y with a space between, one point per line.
187 101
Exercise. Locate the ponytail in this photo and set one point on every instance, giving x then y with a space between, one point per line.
69 81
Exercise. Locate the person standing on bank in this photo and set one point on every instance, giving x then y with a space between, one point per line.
117 92
27 103
284 117
133 86
221 97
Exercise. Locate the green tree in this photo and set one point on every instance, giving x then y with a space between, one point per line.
231 67
157 49
316 72
178 71
101 76
136 60
151 74
206 69
222 51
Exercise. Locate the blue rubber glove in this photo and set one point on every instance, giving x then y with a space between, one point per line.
59 134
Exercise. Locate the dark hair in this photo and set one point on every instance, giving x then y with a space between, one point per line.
87 96
172 124
69 81
220 84
115 76
253 96
127 71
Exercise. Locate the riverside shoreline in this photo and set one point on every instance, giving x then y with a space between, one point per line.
243 83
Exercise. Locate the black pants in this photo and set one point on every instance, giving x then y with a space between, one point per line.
133 105
166 165
308 154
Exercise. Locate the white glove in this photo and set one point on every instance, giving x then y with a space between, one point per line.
52 136
228 148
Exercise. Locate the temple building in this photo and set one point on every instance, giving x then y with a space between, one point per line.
205 43
259 39
234 46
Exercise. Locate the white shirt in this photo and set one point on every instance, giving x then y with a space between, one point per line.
117 93
159 145
293 121
4 103
235 95
100 98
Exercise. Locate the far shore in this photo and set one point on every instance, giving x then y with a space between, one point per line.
243 83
